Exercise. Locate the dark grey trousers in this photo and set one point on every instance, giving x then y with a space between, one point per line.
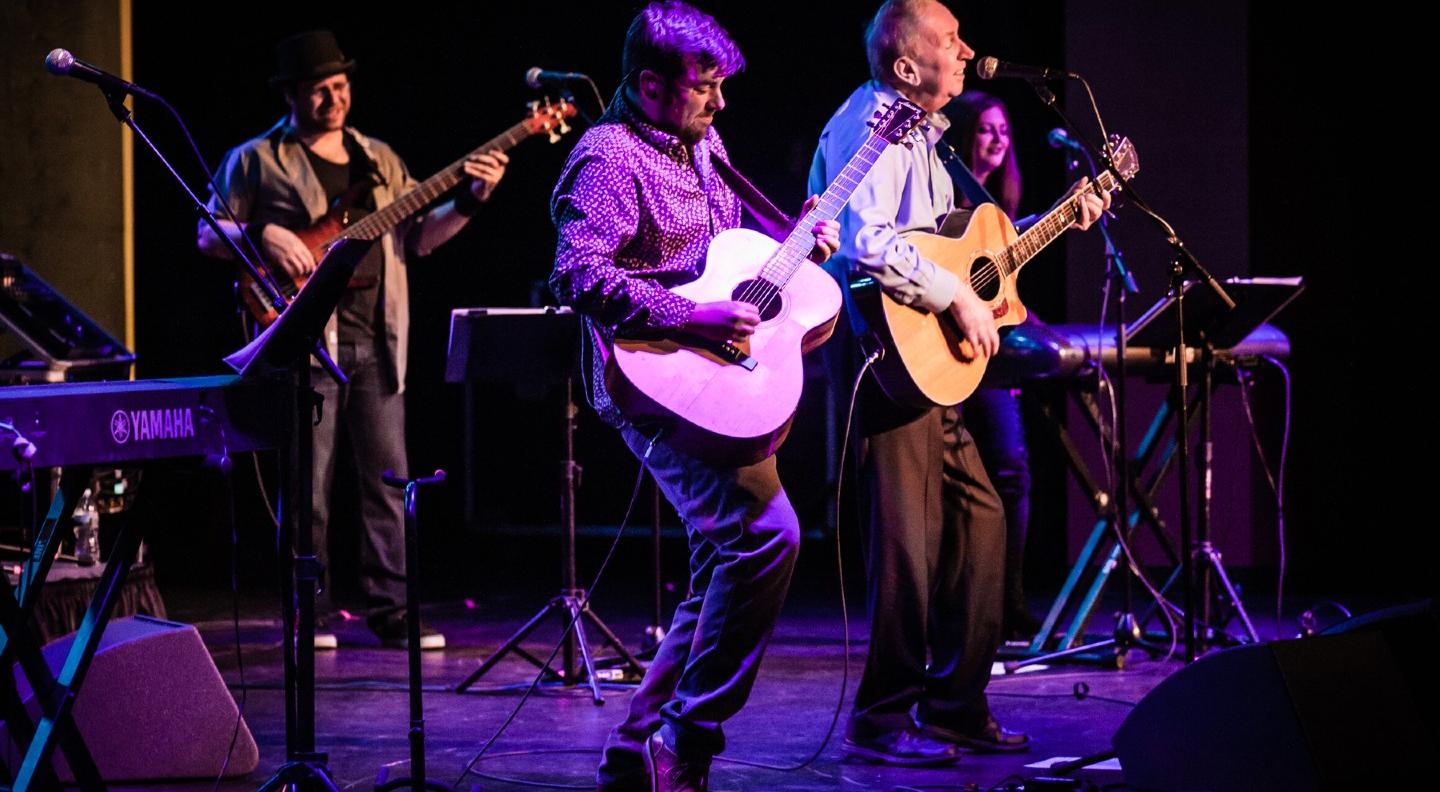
935 544
744 537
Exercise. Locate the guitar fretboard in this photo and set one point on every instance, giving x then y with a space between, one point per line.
371 226
797 246
1047 229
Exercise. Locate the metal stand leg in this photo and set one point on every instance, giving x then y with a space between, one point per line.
304 767
416 780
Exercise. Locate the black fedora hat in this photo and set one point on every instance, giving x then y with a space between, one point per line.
309 56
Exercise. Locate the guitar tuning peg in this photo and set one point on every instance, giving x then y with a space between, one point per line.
554 136
878 114
564 127
870 124
909 144
533 105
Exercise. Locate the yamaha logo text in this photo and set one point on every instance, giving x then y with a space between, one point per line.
138 425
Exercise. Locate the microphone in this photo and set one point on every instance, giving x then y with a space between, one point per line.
988 68
62 64
1060 139
536 77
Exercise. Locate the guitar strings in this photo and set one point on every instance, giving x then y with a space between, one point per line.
761 291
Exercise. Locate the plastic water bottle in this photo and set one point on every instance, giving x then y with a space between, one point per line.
87 530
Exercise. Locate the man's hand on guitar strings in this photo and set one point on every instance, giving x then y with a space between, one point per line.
727 320
977 323
485 171
827 234
1092 204
282 247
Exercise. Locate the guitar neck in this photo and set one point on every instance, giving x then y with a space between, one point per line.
801 241
1048 228
373 225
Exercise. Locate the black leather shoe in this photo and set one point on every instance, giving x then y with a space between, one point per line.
641 784
395 633
1019 626
903 748
673 774
991 738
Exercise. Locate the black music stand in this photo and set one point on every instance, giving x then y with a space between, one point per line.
1210 326
285 346
1257 301
534 349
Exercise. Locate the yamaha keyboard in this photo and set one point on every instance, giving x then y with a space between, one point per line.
82 423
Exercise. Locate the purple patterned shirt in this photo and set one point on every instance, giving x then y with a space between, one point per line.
635 210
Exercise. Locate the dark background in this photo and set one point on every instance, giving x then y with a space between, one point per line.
1247 138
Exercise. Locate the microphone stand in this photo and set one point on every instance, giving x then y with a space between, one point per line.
1128 632
1184 262
116 102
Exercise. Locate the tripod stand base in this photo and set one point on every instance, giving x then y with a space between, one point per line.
300 774
1109 653
384 783
1208 560
572 609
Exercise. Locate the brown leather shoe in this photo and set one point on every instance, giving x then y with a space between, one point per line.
990 738
673 774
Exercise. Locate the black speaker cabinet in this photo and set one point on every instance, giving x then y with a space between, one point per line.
1355 708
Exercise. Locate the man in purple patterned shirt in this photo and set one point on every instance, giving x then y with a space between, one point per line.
636 207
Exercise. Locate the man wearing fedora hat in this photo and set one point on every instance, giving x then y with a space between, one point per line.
287 179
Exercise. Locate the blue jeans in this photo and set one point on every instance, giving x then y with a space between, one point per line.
744 537
373 416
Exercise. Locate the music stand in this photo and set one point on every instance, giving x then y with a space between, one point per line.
1210 326
534 349
285 346
1257 301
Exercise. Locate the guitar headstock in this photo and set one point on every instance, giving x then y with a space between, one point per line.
898 121
1123 158
549 117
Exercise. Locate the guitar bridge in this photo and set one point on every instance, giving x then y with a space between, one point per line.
734 354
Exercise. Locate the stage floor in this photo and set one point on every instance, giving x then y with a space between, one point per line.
362 706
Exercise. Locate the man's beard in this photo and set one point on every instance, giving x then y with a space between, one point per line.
694 132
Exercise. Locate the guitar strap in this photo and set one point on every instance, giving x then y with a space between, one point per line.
969 186
775 221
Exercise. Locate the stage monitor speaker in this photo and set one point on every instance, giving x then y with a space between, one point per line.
153 706
1355 708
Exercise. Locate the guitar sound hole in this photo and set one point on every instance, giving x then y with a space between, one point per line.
984 278
761 294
